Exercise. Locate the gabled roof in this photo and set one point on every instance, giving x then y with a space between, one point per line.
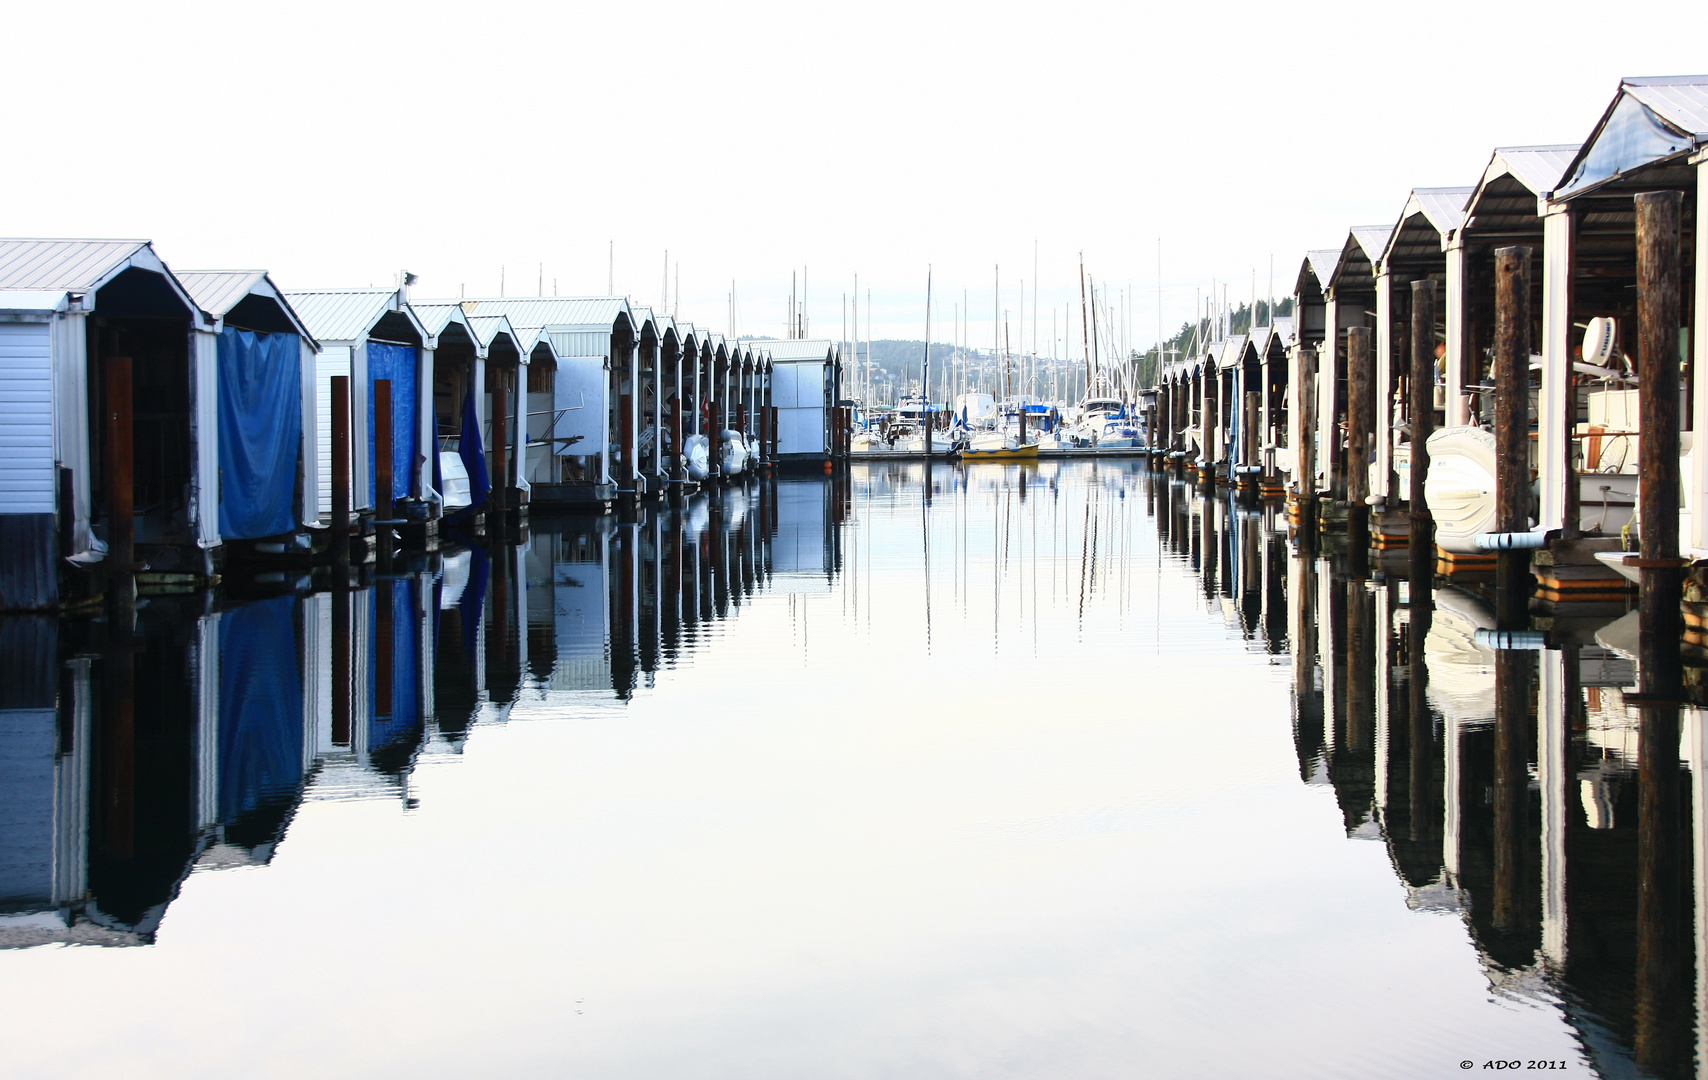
487 329
556 313
1429 218
216 292
532 339
1263 336
1649 120
782 352
80 266
1363 249
1504 202
348 315
1318 267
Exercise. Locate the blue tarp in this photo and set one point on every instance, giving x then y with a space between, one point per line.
474 458
397 363
260 707
260 432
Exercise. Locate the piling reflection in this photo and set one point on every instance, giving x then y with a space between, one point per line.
1543 787
182 734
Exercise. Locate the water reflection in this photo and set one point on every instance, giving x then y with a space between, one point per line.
1531 795
183 734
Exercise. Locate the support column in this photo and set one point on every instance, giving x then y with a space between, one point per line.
1360 412
1382 427
1458 412
427 438
1699 451
1555 412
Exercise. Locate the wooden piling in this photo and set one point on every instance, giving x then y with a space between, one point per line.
382 450
341 468
120 467
1305 454
1512 429
1360 415
1659 309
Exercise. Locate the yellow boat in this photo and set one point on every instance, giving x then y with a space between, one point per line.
1028 452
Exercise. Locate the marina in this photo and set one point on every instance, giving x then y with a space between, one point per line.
939 548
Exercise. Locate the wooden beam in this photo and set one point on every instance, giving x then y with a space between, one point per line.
1512 427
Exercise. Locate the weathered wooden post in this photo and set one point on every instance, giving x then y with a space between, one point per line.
1208 427
1512 430
121 471
1360 415
1422 420
341 469
382 450
1659 291
1511 784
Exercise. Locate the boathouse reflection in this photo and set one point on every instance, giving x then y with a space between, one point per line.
184 734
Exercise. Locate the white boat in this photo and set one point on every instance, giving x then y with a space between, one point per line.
697 448
456 481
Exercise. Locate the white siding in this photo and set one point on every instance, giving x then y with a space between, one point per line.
26 418
334 360
800 431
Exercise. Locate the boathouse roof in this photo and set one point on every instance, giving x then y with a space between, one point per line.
788 352
1430 216
349 315
82 266
437 319
1504 202
490 329
1650 120
557 313
217 292
1316 270
1355 268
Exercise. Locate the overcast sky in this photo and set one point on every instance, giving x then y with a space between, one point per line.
335 143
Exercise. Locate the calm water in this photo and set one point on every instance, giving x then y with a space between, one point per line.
1051 771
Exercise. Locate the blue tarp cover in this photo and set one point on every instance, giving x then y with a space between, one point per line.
260 432
260 707
397 363
469 449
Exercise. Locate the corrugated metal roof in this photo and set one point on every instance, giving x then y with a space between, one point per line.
1372 238
532 337
787 351
1538 168
218 291
488 328
72 265
552 312
333 315
1680 100
33 300
1443 206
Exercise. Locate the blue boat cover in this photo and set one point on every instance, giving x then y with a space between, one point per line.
260 432
474 458
260 707
397 363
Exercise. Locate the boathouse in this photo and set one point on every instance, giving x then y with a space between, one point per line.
1416 251
804 388
1349 299
265 371
368 336
503 425
595 434
101 329
1653 137
1310 312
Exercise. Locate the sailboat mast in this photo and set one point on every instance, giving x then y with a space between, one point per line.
925 382
1084 323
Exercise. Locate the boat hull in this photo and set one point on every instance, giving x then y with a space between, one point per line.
1024 453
